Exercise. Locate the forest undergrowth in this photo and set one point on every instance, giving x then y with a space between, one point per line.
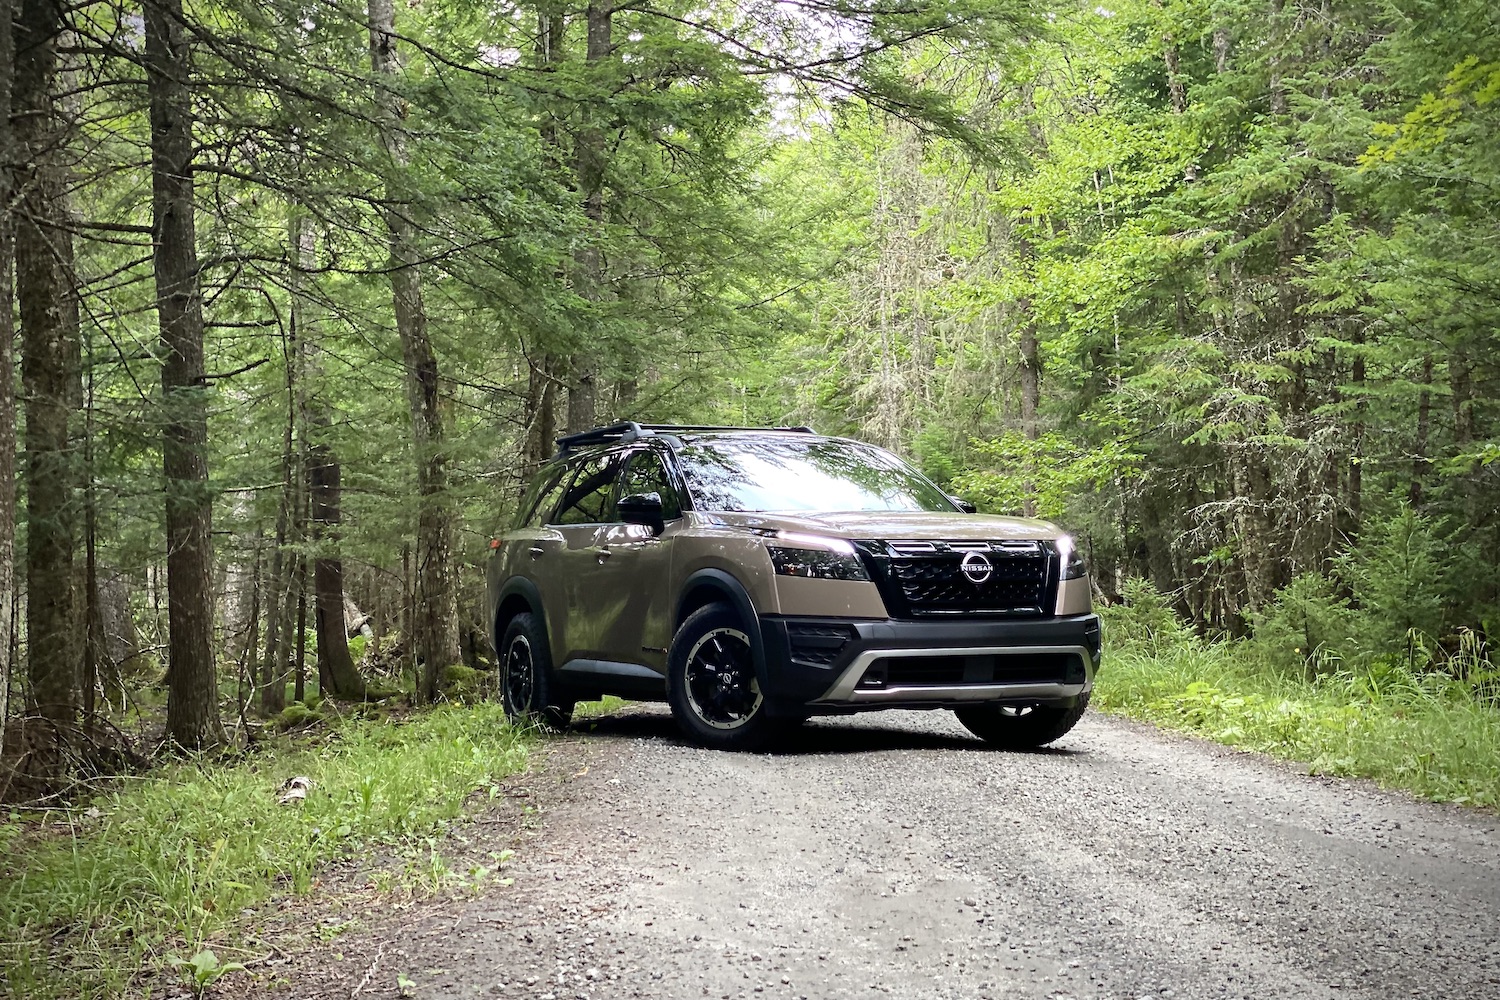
162 871
1423 718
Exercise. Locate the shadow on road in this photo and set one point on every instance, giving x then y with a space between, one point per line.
818 736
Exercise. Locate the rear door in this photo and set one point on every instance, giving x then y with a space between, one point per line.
569 571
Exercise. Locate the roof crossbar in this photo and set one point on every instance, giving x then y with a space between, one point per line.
627 431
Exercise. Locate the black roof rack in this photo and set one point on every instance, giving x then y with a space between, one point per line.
628 430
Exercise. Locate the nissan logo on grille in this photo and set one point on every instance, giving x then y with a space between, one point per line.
976 567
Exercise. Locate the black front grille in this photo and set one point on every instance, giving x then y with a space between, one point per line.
1023 668
921 578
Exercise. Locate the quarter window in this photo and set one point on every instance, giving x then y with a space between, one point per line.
540 500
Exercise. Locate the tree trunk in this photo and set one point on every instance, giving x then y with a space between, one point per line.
7 367
435 635
252 633
1176 89
192 693
122 643
337 675
1421 465
1357 443
300 689
273 672
324 489
49 334
1461 385
541 415
588 262
541 388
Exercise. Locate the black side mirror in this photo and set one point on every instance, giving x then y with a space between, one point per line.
642 508
963 504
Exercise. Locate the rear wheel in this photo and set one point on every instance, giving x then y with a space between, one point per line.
712 684
1020 727
525 689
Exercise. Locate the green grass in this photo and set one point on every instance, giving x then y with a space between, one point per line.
1423 732
607 705
162 866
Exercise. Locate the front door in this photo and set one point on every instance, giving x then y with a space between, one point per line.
636 569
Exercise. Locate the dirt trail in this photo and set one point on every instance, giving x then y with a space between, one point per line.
892 854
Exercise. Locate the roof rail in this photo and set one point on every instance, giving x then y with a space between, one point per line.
674 428
627 431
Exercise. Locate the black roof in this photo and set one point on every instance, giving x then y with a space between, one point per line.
628 431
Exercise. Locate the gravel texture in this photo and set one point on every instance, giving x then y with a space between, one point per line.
892 854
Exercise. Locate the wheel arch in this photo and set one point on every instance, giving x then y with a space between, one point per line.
517 596
717 586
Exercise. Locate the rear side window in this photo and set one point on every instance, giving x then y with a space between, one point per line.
540 500
589 497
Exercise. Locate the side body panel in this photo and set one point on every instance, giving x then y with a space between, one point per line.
629 594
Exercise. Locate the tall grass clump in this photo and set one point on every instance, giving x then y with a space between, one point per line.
1311 685
165 864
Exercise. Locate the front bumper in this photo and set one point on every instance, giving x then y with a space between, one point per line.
840 665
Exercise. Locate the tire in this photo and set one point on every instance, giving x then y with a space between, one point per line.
526 691
712 684
1021 728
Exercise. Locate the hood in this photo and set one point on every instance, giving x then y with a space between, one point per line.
896 524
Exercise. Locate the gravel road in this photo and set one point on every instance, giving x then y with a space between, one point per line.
892 854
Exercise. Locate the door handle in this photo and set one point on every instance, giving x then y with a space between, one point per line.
537 551
602 552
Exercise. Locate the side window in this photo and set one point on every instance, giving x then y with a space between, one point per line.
646 474
590 496
541 499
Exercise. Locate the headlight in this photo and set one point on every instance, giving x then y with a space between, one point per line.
1070 559
835 559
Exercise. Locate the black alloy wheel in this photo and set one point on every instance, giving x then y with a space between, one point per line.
721 687
524 688
713 684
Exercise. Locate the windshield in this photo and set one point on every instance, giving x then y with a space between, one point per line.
796 474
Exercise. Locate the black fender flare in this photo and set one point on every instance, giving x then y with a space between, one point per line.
518 586
738 597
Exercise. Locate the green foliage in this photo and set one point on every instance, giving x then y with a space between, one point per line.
1423 732
1308 627
1057 475
166 863
297 715
464 685
203 969
1257 255
1145 622
1396 573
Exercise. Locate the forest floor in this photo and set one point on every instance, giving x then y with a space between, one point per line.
893 855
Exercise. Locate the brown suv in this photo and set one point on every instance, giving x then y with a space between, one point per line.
754 578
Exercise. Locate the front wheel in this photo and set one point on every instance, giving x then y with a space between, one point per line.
525 691
1021 727
712 684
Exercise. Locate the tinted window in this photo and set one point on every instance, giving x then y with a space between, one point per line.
541 498
792 474
589 496
646 474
